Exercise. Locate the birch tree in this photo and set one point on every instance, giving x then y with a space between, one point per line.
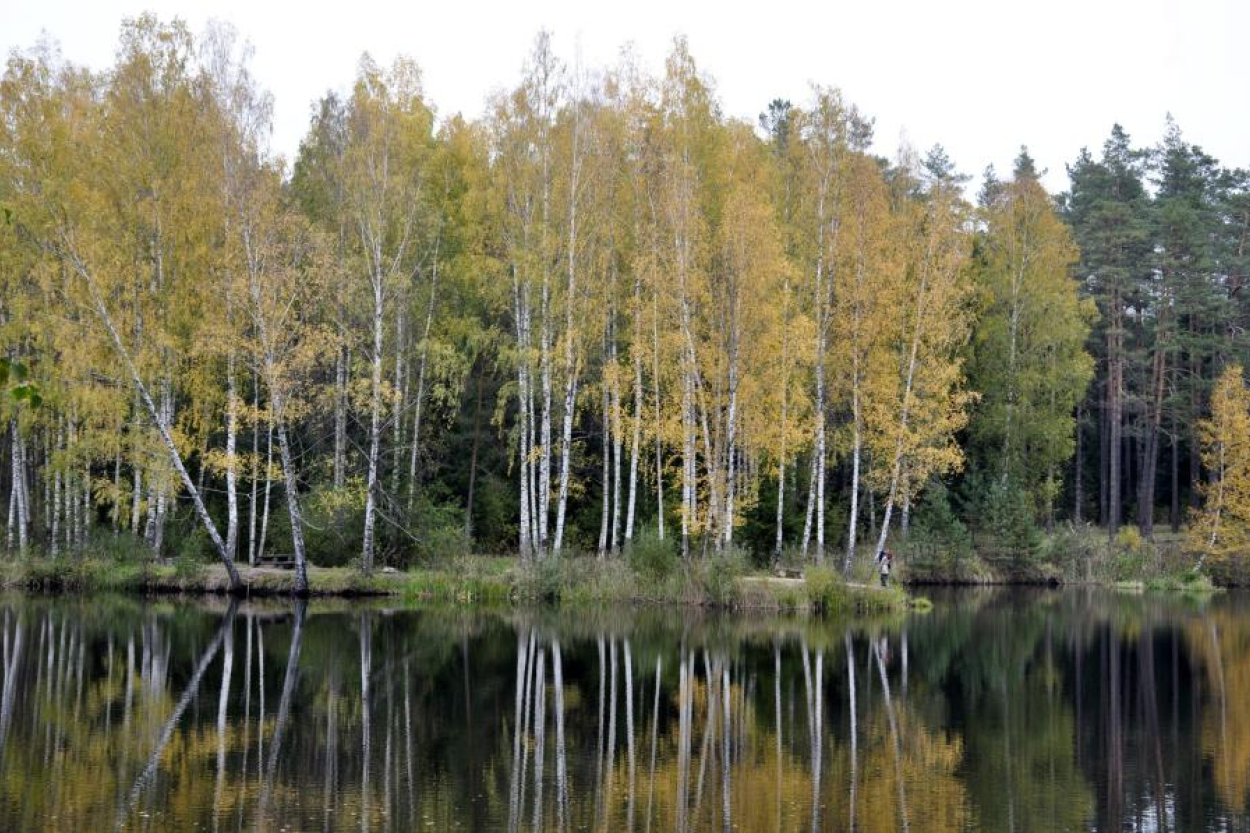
388 145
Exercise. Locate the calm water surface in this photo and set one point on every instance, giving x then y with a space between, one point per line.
998 711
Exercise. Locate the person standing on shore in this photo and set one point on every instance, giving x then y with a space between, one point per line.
885 560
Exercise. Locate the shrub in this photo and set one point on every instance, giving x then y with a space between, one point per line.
188 567
1008 535
714 580
334 522
826 591
542 579
123 548
1129 540
938 547
194 548
651 557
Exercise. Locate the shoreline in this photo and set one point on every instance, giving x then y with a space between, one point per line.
492 581
489 581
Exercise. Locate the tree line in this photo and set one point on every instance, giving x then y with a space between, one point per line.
601 310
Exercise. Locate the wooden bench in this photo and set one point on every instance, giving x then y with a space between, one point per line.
278 562
789 572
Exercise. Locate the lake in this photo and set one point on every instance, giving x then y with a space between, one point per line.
1000 710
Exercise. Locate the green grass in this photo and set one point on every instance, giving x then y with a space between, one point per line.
1188 583
468 581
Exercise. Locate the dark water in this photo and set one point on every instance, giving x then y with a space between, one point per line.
998 711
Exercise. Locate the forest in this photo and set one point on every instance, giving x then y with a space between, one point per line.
603 311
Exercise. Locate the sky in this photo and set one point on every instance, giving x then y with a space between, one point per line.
981 77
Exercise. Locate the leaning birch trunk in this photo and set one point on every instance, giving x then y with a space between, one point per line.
175 457
375 427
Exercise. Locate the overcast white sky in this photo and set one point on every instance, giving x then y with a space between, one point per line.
979 76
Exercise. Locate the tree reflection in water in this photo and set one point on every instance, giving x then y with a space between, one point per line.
1060 710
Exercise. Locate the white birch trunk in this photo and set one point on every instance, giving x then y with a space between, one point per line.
136 495
659 454
616 449
523 420
251 514
811 507
604 517
856 452
687 467
293 508
570 352
232 428
544 458
264 517
341 369
785 422
636 438
401 392
730 444
375 428
54 537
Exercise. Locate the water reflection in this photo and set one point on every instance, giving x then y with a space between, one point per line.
999 711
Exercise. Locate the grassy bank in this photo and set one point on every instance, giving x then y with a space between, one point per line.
100 575
1081 555
581 582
